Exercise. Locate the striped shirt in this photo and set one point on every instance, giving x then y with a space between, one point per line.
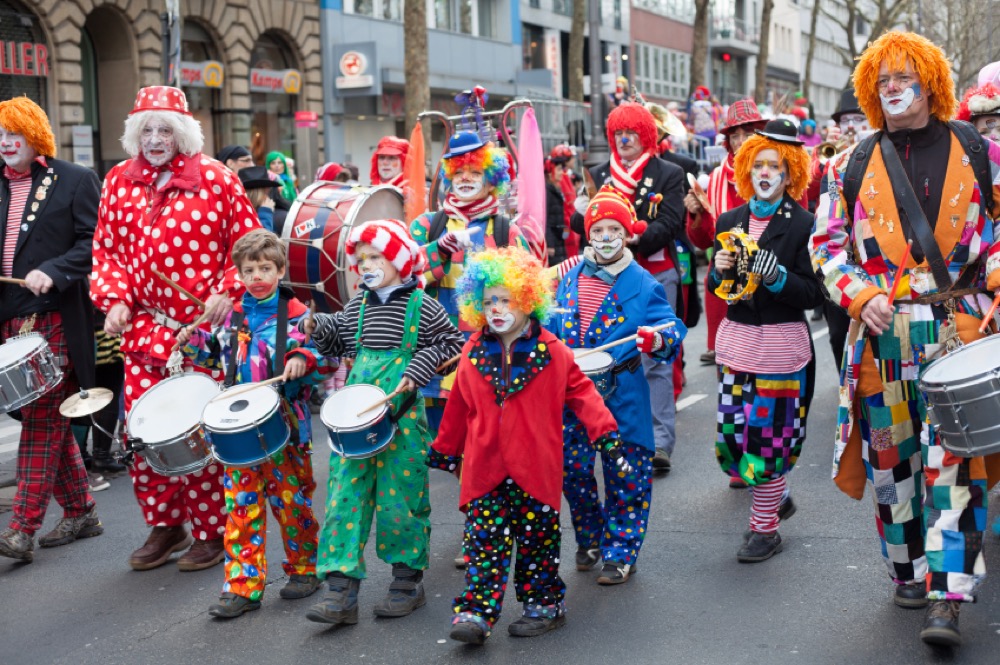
438 339
20 189
591 292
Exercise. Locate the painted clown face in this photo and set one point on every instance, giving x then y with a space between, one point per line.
157 142
389 166
904 101
375 269
261 277
502 316
16 152
628 145
768 175
988 126
607 237
854 126
469 184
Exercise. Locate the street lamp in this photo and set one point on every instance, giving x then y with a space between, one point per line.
598 152
170 25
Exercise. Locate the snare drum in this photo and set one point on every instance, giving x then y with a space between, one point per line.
357 436
962 391
599 366
28 370
247 428
164 425
316 232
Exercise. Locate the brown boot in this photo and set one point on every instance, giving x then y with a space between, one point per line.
162 542
203 554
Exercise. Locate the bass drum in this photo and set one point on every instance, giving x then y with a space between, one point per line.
316 231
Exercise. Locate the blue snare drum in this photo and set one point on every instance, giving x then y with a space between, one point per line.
353 434
245 428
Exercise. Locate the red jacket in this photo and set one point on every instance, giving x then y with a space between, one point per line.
517 432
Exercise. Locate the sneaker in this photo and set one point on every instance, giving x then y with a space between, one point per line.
460 561
787 508
707 358
737 483
587 558
470 629
661 461
300 586
72 528
759 547
616 573
161 543
203 554
231 606
941 624
17 545
340 605
97 482
406 593
538 620
912 596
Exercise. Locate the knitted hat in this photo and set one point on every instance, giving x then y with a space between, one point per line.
160 98
636 118
329 172
392 238
389 145
984 100
609 203
22 116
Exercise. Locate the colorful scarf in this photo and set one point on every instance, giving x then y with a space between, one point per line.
470 210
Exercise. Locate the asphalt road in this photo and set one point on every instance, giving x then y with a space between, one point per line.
824 599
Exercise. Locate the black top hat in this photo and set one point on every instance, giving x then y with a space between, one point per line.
255 177
781 130
848 104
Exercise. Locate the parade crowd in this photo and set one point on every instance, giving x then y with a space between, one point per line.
513 345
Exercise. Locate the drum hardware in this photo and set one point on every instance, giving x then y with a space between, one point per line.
744 282
180 289
27 326
28 368
631 338
86 402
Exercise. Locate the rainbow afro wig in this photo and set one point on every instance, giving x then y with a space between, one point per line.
22 116
794 156
512 268
927 60
489 159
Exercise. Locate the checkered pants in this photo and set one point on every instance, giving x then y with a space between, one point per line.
48 459
171 501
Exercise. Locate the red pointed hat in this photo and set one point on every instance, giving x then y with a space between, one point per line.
161 98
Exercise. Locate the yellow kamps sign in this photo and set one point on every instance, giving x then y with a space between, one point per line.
212 74
292 82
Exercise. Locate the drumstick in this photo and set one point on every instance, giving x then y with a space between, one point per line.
198 301
12 280
450 361
989 314
899 272
630 338
194 324
247 387
394 393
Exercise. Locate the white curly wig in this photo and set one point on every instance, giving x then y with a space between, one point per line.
187 131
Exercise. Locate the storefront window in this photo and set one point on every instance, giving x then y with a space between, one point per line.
273 113
203 95
24 56
390 10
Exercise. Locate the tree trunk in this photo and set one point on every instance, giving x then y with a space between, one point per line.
699 49
760 75
418 91
807 81
574 67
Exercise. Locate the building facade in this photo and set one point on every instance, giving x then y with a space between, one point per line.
662 41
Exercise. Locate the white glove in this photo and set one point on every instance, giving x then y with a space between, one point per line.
581 203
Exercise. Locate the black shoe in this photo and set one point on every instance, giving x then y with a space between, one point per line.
107 465
661 461
231 606
707 358
616 573
941 624
787 508
340 605
587 558
470 632
300 586
737 483
911 596
759 547
406 592
538 620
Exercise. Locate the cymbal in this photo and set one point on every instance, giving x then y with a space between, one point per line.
86 402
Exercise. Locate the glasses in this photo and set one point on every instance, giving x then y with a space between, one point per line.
899 81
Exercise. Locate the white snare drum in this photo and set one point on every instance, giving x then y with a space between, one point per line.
962 392
598 366
28 370
164 425
353 434
247 428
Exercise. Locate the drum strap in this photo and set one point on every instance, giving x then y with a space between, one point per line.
234 344
281 334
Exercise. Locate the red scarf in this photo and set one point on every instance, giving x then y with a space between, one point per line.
722 186
624 179
470 210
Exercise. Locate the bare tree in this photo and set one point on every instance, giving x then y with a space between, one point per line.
760 75
575 57
967 35
418 89
699 49
811 50
876 15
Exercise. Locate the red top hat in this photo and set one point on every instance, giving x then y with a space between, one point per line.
742 112
161 98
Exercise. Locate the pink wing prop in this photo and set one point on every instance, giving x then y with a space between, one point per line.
531 185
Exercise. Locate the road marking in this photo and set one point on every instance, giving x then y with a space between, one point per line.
689 400
821 334
8 447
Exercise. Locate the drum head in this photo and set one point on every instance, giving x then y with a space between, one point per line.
16 348
969 361
340 410
593 362
240 411
171 407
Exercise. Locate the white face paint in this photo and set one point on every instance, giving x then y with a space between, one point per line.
157 142
606 247
468 184
373 279
607 237
501 316
988 126
15 151
898 104
768 175
767 188
389 166
853 126
376 271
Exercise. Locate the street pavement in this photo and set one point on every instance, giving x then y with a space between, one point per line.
824 599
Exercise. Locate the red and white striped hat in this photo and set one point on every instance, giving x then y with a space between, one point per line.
392 238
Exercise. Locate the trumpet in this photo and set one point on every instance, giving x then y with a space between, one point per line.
827 149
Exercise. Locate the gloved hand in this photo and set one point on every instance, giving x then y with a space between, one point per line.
648 341
454 241
765 264
611 446
581 202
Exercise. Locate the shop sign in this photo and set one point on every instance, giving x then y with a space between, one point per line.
276 81
208 74
354 71
24 59
553 59
306 119
357 66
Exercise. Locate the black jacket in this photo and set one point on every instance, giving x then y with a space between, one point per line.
555 222
688 165
787 235
58 241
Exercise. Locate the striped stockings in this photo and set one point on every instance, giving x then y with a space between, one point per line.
764 510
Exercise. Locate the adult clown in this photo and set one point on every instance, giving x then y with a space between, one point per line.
388 161
171 209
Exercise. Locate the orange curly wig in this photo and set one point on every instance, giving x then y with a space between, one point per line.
794 156
928 61
23 116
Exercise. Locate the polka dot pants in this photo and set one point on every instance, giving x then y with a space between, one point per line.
173 500
505 521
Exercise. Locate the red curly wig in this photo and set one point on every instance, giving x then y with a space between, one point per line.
795 158
636 118
23 116
895 48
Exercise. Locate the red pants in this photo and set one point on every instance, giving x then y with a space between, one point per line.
715 311
174 500
48 459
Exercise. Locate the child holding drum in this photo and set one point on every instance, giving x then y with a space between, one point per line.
605 298
502 427
260 340
399 337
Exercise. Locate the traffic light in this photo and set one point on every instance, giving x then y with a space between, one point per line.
726 57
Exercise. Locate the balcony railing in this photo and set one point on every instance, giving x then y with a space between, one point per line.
730 27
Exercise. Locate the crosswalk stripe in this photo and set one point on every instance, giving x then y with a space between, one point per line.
690 400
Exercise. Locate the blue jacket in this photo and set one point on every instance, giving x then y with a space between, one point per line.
636 299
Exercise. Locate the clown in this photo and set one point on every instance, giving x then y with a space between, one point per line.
398 337
764 341
388 161
981 107
930 524
173 210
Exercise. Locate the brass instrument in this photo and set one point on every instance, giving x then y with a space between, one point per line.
827 150
741 282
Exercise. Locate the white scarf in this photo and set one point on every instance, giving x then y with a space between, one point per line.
470 210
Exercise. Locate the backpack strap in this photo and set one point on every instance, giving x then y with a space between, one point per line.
972 144
501 230
438 222
855 171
